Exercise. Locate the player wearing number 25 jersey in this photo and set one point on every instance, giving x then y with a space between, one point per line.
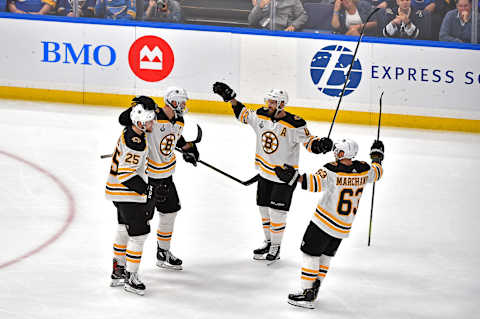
342 183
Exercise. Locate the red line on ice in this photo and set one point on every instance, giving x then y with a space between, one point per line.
68 221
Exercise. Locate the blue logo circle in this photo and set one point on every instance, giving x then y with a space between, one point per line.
329 69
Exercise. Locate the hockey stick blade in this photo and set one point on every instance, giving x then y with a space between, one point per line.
106 156
199 135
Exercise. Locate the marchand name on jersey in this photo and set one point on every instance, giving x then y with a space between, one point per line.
351 181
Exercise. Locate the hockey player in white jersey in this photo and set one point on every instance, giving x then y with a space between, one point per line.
166 135
133 198
279 135
342 182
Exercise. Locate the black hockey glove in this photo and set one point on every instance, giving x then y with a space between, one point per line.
376 151
191 155
287 174
224 91
323 145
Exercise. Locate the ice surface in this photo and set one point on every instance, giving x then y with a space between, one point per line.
424 261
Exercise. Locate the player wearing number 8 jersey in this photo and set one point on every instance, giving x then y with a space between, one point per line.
279 135
342 182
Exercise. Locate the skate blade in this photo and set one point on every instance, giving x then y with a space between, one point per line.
165 265
133 290
259 256
271 262
117 282
302 304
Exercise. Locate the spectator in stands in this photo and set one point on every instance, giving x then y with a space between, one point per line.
404 22
31 6
163 11
457 24
116 9
349 16
422 5
441 9
86 8
3 5
289 15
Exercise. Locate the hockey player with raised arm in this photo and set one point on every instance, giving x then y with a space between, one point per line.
279 135
132 196
166 135
342 182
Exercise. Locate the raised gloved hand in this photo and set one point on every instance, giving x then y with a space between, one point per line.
191 155
287 174
323 145
224 91
377 151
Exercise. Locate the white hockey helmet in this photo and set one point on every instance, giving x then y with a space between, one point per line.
348 146
279 96
179 96
141 114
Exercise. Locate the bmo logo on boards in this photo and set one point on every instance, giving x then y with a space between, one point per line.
151 58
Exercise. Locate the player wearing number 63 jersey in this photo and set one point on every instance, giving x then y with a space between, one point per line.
279 135
343 182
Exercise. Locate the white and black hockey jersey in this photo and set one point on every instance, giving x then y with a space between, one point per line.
343 186
278 141
126 181
165 136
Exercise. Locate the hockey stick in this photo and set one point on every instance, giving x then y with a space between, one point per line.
245 183
350 69
373 191
196 140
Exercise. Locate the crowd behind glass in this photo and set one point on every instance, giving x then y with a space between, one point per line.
439 20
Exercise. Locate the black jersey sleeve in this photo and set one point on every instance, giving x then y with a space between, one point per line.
134 141
237 109
137 184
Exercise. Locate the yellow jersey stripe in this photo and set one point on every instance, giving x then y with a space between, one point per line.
286 124
352 174
332 217
149 169
329 225
122 193
161 164
264 169
124 176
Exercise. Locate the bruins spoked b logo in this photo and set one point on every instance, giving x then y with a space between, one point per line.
167 144
269 142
